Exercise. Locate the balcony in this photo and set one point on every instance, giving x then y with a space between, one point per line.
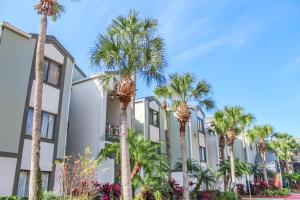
112 132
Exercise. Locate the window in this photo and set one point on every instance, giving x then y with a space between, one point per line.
47 127
23 185
202 151
200 124
153 117
51 72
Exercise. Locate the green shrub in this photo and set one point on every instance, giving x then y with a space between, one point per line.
50 196
275 192
12 198
229 196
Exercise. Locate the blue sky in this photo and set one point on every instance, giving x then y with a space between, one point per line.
247 49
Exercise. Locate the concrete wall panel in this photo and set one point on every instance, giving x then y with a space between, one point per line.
7 175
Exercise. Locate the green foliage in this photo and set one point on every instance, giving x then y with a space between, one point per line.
291 177
229 196
241 168
275 192
131 47
39 191
185 89
50 196
259 133
13 198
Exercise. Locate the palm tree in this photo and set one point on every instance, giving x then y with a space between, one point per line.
184 90
45 8
261 133
144 153
203 176
232 117
163 93
285 146
131 49
219 126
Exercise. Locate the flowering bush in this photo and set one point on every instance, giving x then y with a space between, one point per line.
240 188
176 190
259 186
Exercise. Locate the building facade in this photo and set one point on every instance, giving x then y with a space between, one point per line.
17 63
94 122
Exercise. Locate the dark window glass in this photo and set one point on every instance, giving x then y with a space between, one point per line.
200 124
51 72
202 152
23 185
47 127
153 117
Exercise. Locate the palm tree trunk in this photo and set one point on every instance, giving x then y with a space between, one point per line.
167 138
232 168
136 169
263 156
132 104
222 157
36 130
125 157
184 162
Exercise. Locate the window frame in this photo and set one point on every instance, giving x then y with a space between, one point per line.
47 132
46 73
202 152
151 118
200 128
27 182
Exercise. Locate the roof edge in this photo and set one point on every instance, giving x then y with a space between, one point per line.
15 29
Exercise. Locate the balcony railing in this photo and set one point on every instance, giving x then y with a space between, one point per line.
112 132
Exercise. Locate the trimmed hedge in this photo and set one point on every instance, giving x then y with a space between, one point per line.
275 192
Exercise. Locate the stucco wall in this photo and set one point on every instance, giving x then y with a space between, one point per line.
16 54
7 175
85 116
50 98
140 116
46 156
63 125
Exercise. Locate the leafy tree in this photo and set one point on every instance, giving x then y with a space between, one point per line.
53 9
131 49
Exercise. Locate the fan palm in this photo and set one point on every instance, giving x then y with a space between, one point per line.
144 153
163 94
130 48
45 8
232 118
261 133
219 126
285 146
184 90
203 176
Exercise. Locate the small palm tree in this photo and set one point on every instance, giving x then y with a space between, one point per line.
261 133
162 93
203 176
144 153
131 49
232 118
184 90
45 8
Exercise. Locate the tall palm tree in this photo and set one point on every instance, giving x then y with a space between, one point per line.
219 126
45 8
232 117
163 94
131 49
261 133
185 90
